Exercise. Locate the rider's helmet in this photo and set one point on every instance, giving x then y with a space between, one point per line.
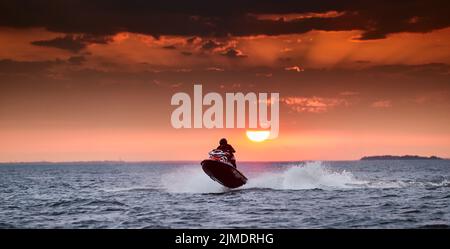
223 141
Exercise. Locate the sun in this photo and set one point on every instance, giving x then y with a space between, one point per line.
258 136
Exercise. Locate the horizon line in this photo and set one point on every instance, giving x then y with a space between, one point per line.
180 161
163 161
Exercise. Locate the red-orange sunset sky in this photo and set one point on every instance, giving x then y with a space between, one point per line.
93 80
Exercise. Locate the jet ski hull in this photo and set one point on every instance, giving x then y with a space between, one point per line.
223 173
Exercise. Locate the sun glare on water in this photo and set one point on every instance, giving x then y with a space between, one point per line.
258 136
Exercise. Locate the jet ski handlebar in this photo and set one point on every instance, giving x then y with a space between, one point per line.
218 153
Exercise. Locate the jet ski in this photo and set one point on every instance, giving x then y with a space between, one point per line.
220 169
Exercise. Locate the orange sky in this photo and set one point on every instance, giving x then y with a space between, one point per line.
81 97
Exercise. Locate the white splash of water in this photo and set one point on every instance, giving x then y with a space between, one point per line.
190 180
312 175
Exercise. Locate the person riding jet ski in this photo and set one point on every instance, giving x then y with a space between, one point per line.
220 166
225 147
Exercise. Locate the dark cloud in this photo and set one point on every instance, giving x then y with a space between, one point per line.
71 42
422 69
234 53
192 39
67 43
76 60
376 18
42 67
186 53
362 61
285 59
210 44
170 47
8 66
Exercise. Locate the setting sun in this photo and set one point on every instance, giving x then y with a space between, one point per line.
258 136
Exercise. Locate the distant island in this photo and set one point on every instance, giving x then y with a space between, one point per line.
406 157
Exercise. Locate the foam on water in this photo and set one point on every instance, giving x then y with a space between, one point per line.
190 180
312 175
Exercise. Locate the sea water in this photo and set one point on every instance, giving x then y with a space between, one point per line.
345 194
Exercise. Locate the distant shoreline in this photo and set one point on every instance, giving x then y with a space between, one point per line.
405 157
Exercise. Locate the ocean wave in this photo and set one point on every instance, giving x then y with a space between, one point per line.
63 203
84 203
130 189
105 203
435 226
6 226
444 183
425 184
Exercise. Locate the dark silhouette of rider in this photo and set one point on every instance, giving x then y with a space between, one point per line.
225 147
